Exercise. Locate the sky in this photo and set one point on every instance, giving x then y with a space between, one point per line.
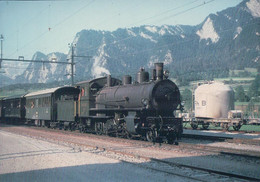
48 26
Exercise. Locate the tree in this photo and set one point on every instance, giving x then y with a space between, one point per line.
253 89
240 94
186 97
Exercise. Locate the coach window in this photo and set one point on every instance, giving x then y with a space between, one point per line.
27 103
94 88
45 101
18 104
32 104
36 102
48 101
40 102
82 91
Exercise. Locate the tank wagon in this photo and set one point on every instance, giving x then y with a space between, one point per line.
214 104
213 100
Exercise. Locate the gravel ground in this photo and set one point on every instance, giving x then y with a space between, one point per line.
117 170
27 159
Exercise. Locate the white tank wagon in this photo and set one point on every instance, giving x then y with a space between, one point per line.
214 104
213 100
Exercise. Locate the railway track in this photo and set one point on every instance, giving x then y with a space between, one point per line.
221 130
174 168
126 148
183 144
229 139
209 171
206 137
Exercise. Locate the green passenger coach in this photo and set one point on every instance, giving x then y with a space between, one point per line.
14 110
52 107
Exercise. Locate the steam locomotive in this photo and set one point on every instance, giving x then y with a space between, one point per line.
142 109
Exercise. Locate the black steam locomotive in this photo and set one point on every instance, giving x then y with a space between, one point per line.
143 109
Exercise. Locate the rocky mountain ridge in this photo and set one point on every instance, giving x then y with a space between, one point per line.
229 39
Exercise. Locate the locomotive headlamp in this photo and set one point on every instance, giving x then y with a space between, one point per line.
166 73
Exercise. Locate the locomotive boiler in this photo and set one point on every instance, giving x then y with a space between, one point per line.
160 96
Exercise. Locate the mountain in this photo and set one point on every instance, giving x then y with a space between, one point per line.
44 72
229 39
4 80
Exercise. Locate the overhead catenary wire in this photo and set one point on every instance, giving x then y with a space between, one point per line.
176 14
56 25
189 9
106 20
162 13
16 68
174 43
76 12
164 44
25 24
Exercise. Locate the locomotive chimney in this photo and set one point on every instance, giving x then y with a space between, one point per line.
109 81
127 79
159 71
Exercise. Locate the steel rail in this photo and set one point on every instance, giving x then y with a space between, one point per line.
173 164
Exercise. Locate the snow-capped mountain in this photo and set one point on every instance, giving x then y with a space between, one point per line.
229 39
44 72
4 80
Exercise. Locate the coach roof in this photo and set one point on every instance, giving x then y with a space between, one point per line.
42 92
47 91
13 97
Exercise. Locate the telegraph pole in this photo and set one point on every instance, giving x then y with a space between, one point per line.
72 61
21 59
72 65
1 38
